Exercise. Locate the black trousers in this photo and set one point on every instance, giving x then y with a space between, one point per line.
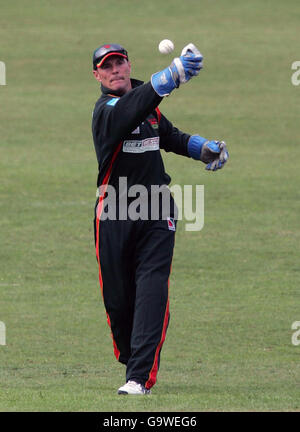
134 259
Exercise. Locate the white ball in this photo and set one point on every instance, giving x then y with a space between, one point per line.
166 46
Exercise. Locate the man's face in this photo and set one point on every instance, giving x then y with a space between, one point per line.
115 74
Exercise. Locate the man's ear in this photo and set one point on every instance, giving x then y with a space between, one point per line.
97 75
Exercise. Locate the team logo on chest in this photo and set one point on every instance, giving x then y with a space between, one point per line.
153 122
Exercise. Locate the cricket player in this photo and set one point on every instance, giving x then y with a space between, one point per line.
134 254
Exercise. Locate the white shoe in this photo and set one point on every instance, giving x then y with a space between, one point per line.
134 388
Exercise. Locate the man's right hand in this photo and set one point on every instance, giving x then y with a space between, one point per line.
181 70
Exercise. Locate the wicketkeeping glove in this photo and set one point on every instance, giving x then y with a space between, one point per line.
181 70
222 158
212 153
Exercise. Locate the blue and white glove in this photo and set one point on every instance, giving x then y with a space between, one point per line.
212 153
180 71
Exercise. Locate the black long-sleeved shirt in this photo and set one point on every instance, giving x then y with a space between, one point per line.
128 133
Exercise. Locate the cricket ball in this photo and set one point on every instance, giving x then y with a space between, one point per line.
166 46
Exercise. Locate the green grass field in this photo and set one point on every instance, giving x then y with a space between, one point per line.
234 289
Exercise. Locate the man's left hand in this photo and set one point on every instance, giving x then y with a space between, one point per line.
216 154
213 153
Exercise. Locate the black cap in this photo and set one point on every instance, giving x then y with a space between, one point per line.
104 51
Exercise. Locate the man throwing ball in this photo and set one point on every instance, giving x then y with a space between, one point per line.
134 254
